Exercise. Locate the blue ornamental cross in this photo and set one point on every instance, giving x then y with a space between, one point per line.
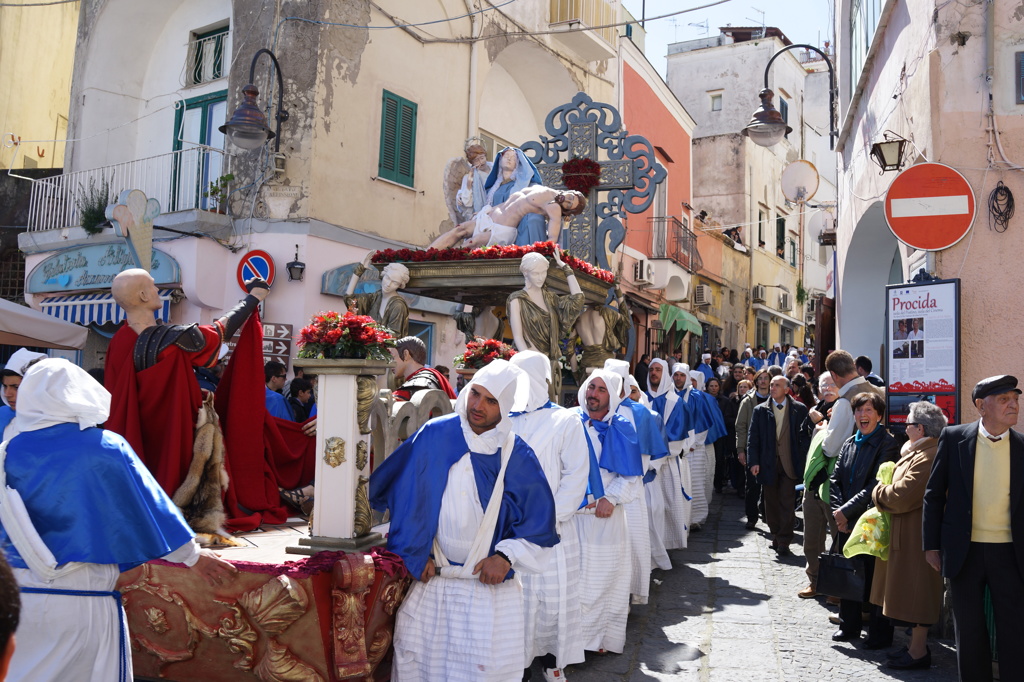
586 129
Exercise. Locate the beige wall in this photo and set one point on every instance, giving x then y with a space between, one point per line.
941 108
37 48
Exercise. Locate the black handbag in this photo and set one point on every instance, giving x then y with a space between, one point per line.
840 577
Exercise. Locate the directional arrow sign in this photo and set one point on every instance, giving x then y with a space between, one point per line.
930 206
276 330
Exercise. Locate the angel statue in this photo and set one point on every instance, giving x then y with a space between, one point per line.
464 179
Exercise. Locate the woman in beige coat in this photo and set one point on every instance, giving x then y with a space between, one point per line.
905 586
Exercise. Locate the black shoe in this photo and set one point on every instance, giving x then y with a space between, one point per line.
783 550
841 635
751 525
906 662
896 653
873 644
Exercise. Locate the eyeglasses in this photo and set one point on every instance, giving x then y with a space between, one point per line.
912 424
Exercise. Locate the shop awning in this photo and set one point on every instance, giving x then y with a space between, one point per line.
99 308
674 316
22 326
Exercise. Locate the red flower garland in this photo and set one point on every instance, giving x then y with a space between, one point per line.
489 253
480 353
332 335
581 174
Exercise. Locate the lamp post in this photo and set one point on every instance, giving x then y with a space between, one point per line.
248 127
888 153
766 127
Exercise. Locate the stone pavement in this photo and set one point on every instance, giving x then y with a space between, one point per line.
728 612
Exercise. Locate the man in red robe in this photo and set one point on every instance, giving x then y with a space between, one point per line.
155 394
410 353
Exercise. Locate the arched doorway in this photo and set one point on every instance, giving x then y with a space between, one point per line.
873 260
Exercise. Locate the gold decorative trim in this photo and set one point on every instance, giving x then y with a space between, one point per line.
276 604
156 620
239 635
362 455
334 451
366 391
278 665
363 516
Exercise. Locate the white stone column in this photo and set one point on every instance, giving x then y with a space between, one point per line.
340 507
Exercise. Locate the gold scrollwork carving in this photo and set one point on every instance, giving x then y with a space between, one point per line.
334 451
279 665
276 604
348 621
156 620
366 391
391 597
362 455
379 646
239 635
363 516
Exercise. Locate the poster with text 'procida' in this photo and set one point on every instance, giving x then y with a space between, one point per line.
922 329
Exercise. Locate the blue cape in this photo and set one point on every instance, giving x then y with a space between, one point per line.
620 451
705 369
412 480
706 415
679 423
649 430
6 415
91 498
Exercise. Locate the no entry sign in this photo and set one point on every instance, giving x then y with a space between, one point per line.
930 206
255 264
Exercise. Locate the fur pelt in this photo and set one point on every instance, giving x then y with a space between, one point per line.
200 496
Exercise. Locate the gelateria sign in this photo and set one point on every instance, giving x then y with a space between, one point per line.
94 267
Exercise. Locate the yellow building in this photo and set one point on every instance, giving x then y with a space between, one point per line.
37 51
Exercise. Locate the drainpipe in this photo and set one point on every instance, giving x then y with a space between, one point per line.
474 49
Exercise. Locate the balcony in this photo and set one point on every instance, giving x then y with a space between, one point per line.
569 16
674 258
177 180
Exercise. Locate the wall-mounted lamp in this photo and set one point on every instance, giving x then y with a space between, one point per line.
248 127
296 269
888 153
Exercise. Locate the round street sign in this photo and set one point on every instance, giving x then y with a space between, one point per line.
256 263
930 206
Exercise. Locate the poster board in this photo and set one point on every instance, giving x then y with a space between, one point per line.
922 356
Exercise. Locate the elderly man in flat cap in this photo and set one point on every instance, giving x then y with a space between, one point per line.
974 528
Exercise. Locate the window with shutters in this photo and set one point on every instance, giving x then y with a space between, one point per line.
397 139
784 110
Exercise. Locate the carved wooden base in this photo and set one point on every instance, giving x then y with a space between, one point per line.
310 546
327 618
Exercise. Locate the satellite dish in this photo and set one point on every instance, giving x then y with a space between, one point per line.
800 181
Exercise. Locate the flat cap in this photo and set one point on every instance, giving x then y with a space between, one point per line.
994 386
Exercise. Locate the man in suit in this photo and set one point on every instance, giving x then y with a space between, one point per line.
776 452
974 528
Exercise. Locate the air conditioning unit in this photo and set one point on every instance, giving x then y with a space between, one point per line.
642 271
702 295
757 295
785 303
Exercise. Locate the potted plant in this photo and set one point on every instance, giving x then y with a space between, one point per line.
92 205
480 353
218 192
335 336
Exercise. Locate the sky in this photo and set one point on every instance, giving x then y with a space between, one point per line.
803 21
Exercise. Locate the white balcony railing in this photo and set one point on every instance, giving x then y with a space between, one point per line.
177 180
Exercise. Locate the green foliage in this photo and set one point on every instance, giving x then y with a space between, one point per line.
218 190
801 292
92 205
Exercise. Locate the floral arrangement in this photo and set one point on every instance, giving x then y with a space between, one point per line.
581 174
333 335
489 253
479 353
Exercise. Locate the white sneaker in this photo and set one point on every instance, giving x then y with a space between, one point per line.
553 675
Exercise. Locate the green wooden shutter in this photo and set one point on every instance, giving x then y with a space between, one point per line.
397 139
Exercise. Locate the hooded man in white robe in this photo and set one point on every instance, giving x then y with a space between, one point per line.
674 478
553 631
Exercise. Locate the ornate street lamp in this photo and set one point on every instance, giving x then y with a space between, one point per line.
296 268
766 126
888 153
248 127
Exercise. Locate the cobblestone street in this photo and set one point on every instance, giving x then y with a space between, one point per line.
728 612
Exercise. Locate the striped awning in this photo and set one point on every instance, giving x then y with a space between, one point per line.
99 308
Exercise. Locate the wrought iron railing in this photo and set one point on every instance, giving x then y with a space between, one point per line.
206 59
179 181
671 239
588 13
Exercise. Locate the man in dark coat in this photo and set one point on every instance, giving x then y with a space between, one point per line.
776 452
974 528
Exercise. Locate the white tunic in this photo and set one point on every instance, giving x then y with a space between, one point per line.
701 470
673 478
459 629
605 574
552 597
638 518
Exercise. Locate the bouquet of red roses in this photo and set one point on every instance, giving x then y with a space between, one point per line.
479 353
333 335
